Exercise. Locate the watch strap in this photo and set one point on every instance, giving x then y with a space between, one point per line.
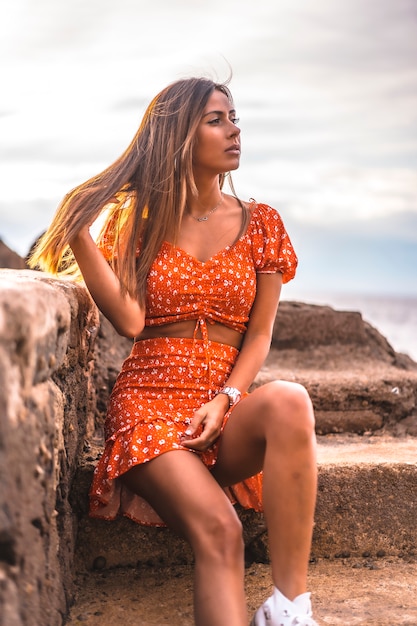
233 394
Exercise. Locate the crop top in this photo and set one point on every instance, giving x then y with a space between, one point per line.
223 288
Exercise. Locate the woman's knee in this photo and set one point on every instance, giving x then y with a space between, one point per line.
219 535
289 406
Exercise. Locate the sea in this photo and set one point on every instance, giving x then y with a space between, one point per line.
395 317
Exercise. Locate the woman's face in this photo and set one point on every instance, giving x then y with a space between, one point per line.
217 147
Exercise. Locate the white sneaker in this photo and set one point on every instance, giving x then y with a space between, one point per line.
279 611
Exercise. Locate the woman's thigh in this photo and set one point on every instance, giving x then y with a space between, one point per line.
269 416
184 493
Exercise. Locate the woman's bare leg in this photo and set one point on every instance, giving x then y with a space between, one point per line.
273 429
185 495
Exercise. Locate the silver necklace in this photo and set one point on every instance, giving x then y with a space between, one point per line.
204 218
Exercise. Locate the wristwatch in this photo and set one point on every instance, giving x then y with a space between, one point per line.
233 394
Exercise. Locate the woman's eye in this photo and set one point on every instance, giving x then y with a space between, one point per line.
217 120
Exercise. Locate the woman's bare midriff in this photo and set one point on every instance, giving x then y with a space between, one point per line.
186 328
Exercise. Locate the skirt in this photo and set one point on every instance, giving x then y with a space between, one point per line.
161 384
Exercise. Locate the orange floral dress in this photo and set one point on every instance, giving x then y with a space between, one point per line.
164 380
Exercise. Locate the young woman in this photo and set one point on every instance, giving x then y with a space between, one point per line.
194 275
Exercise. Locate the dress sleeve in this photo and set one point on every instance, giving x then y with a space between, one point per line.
105 240
272 248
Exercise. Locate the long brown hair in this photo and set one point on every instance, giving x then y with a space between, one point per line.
145 189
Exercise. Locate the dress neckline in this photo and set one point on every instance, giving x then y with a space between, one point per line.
220 252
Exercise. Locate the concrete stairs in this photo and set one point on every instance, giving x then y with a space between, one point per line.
366 504
56 376
363 567
364 556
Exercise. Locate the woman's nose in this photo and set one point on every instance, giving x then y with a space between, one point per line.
234 130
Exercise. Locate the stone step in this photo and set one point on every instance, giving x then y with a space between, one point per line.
366 505
346 591
367 496
350 392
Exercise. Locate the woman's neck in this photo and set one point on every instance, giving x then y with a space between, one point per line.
207 201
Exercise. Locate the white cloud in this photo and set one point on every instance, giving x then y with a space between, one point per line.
330 192
326 89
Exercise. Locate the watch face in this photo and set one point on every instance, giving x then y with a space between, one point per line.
232 393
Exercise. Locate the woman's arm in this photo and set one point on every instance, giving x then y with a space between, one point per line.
257 340
123 311
253 353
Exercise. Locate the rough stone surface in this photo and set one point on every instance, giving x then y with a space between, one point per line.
363 558
358 384
9 258
367 502
46 399
352 394
363 563
356 380
347 591
53 397
303 327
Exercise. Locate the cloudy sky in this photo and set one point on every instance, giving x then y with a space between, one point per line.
326 91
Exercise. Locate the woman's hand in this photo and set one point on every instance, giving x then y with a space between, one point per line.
206 425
